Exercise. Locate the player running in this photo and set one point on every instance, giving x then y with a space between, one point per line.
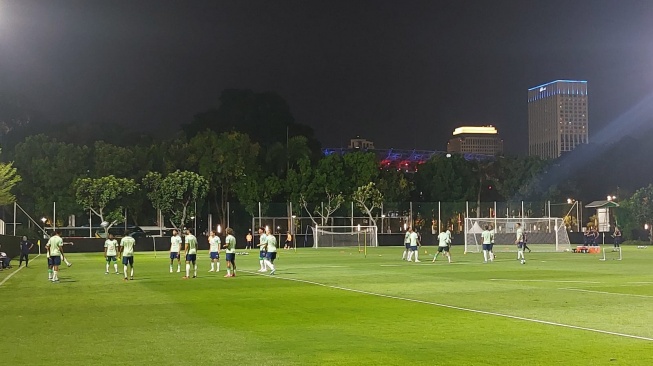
520 244
214 251
127 245
191 253
270 250
230 246
111 253
406 244
54 248
443 245
262 243
175 247
414 243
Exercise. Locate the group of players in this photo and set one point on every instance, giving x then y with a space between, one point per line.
412 243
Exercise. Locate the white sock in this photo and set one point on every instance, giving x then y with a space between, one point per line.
485 255
449 257
217 265
416 255
195 270
403 255
187 269
125 271
115 266
410 256
262 263
178 267
66 260
55 275
49 275
171 268
269 264
212 266
228 270
520 254
107 268
132 272
491 256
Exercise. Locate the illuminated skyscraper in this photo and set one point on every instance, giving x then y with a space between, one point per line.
476 140
557 117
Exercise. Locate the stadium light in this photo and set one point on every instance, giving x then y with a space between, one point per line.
570 200
43 220
448 155
219 228
645 226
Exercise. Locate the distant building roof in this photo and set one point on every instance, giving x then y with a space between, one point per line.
482 130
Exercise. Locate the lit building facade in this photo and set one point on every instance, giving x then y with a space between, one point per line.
483 140
361 143
557 118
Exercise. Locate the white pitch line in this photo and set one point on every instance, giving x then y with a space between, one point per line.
552 281
390 265
13 273
603 292
641 283
457 307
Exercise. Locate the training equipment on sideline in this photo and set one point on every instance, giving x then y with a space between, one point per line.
542 234
345 236
613 253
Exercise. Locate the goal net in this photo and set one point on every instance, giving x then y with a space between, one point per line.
345 236
542 234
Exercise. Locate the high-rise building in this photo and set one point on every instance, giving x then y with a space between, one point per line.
361 143
483 140
557 117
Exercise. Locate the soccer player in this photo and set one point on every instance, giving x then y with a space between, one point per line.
288 244
175 247
270 250
520 244
191 253
262 243
488 238
248 239
25 247
414 242
406 245
55 251
230 246
214 251
443 246
110 253
127 244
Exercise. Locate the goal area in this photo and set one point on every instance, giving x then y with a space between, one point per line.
547 234
345 236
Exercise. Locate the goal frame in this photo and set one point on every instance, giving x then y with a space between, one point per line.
552 227
366 235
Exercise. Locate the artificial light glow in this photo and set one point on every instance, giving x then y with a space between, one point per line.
486 130
645 226
569 200
43 220
359 227
405 226
219 228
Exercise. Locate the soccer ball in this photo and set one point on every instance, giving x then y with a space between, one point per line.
104 224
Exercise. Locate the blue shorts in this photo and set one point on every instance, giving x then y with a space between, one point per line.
261 255
443 249
191 257
521 245
413 248
56 260
487 247
111 258
214 255
128 260
271 256
174 255
231 257
407 245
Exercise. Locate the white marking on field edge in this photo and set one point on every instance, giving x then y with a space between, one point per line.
603 292
552 281
390 265
14 272
457 307
641 283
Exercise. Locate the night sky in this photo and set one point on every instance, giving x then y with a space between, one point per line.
401 73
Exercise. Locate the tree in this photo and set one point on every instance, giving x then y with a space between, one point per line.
104 197
641 205
394 186
368 198
520 178
446 179
8 180
176 194
115 160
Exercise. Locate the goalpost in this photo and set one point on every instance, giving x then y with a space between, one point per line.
546 234
345 236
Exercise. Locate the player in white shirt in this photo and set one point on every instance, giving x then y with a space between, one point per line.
270 250
519 240
406 244
414 243
111 253
488 239
214 251
262 244
175 248
443 245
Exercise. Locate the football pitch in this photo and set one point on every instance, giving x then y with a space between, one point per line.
335 307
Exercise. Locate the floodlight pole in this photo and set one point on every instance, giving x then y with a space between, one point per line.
15 218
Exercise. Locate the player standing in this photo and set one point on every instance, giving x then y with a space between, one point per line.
230 246
414 242
55 251
248 239
175 247
25 247
270 250
214 251
488 238
191 253
110 253
262 243
127 245
443 246
520 244
406 245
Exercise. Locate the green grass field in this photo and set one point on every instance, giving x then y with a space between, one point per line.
335 307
